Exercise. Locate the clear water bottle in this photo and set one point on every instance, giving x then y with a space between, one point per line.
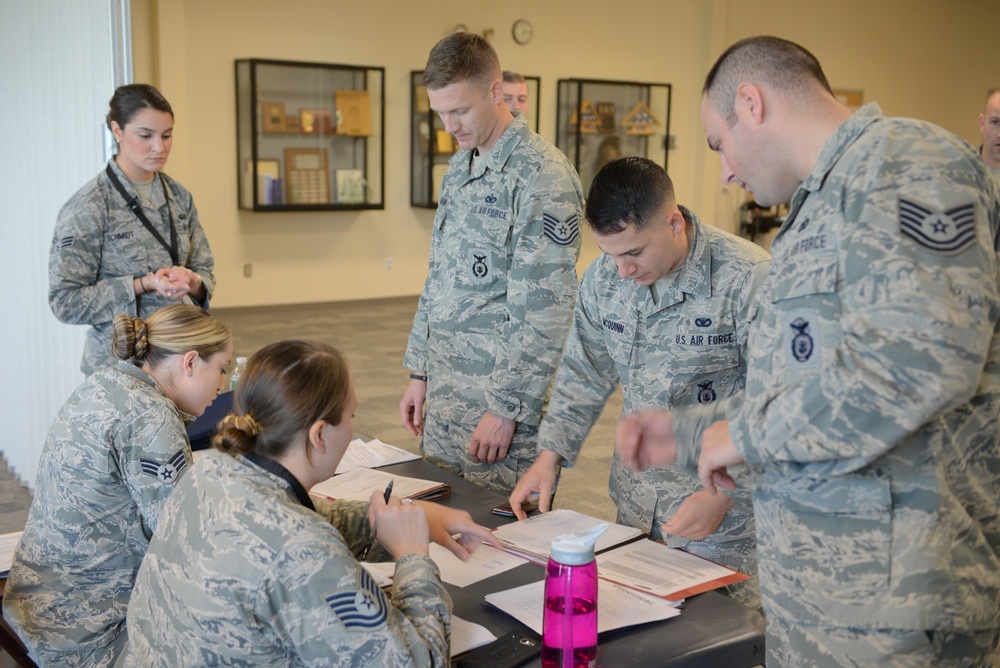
569 624
235 377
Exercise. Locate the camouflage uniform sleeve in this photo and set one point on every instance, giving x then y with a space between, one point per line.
586 377
913 328
153 452
323 604
540 292
351 519
416 348
199 259
76 296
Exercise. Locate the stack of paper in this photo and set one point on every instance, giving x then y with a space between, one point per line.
8 542
372 454
358 485
624 555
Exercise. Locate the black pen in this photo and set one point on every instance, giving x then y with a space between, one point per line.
371 539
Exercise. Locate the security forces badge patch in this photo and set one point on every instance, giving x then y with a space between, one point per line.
947 232
800 347
362 608
166 472
480 262
706 394
562 232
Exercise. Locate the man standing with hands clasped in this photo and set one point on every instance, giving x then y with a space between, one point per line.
498 299
869 420
664 311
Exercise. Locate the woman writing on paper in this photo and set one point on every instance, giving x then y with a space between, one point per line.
111 459
246 567
129 241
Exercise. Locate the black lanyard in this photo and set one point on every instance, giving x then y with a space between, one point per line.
136 208
277 469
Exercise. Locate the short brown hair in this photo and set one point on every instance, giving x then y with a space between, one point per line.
286 387
513 77
461 56
772 61
172 330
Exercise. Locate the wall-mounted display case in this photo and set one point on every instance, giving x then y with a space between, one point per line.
431 147
599 121
309 136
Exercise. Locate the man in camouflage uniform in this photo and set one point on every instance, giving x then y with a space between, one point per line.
665 312
276 584
989 127
110 462
869 420
100 248
498 299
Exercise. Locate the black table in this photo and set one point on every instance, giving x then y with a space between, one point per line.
713 631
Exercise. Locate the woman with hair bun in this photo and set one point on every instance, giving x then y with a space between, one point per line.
246 569
112 457
129 241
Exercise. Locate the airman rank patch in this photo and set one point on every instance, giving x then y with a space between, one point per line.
361 608
480 265
562 232
167 472
64 242
706 394
947 232
800 346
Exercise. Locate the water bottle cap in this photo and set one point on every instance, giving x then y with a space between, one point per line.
577 548
241 360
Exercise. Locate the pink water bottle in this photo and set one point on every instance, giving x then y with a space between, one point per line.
569 625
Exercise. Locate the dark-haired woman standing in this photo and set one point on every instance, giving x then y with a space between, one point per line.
110 461
129 241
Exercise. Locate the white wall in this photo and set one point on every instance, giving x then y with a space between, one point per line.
55 80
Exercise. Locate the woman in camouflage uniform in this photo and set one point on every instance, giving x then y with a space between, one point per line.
247 569
129 241
111 459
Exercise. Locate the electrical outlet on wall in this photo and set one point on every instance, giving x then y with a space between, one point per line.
388 264
247 270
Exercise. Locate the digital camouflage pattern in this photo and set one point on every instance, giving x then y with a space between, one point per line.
100 246
687 349
241 574
873 389
110 461
499 295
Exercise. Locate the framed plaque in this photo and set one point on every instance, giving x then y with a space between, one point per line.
307 176
274 116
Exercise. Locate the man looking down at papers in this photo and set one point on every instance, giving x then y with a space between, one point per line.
664 311
869 420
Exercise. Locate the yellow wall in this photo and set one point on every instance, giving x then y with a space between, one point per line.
919 58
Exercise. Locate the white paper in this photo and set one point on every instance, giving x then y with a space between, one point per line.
535 534
617 606
372 454
485 562
382 572
656 568
358 485
467 636
8 541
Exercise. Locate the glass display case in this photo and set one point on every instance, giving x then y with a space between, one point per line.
431 147
309 136
599 121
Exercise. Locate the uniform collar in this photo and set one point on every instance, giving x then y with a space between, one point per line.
132 370
833 150
156 196
695 276
273 467
504 147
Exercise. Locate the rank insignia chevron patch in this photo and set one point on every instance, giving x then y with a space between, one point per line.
948 232
562 232
168 471
364 607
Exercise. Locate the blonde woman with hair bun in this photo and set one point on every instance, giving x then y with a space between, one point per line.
112 457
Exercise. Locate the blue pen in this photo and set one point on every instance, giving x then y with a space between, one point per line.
371 539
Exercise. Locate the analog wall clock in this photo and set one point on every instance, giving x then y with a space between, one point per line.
522 31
